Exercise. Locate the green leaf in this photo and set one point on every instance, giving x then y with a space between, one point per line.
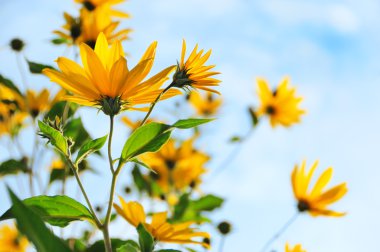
136 161
167 250
58 109
90 147
36 68
55 137
98 246
235 139
9 84
13 166
181 207
57 174
76 131
59 41
146 240
148 138
206 203
55 210
254 117
30 224
129 246
190 123
139 180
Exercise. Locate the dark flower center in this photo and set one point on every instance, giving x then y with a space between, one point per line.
89 6
34 112
270 110
91 43
303 206
110 106
75 31
154 175
224 227
17 44
170 164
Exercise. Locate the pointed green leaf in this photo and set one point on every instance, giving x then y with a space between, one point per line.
36 68
13 166
59 41
98 246
129 246
55 137
190 123
146 240
90 147
206 203
148 138
55 210
30 224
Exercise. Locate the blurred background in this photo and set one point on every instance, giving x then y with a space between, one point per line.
330 51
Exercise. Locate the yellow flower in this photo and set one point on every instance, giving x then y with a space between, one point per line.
205 105
177 167
133 125
159 228
37 103
95 5
193 72
57 164
11 121
87 28
11 240
105 81
13 99
315 200
297 248
281 105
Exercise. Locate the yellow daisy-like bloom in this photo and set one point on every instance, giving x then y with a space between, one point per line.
176 167
315 200
13 99
87 28
57 164
133 125
297 248
38 103
206 105
159 228
281 105
193 73
105 81
95 5
11 240
11 121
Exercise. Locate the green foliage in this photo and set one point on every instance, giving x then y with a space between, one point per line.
182 205
254 118
190 123
30 224
55 210
58 110
36 68
139 180
146 240
150 137
90 147
9 84
129 246
59 41
13 166
98 246
76 131
55 137
235 139
167 250
206 203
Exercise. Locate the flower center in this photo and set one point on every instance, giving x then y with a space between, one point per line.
270 110
181 78
17 44
89 6
110 106
34 112
91 43
303 206
154 175
75 31
170 164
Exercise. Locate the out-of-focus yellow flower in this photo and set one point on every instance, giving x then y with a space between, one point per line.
133 125
315 200
105 81
280 105
57 164
11 240
159 228
177 167
87 28
193 72
10 97
96 5
11 121
297 248
38 103
206 105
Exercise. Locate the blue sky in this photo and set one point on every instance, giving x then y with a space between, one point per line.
330 51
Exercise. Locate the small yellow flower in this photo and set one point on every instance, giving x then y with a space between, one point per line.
133 125
315 200
57 164
11 121
13 99
193 73
177 167
280 105
39 103
11 240
297 248
205 105
95 5
159 228
105 81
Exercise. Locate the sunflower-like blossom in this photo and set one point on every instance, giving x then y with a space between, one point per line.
159 227
11 120
205 105
193 73
105 80
296 248
133 125
11 240
177 166
280 105
37 103
315 200
104 5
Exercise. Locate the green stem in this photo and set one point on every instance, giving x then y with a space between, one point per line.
110 144
154 104
74 169
279 232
